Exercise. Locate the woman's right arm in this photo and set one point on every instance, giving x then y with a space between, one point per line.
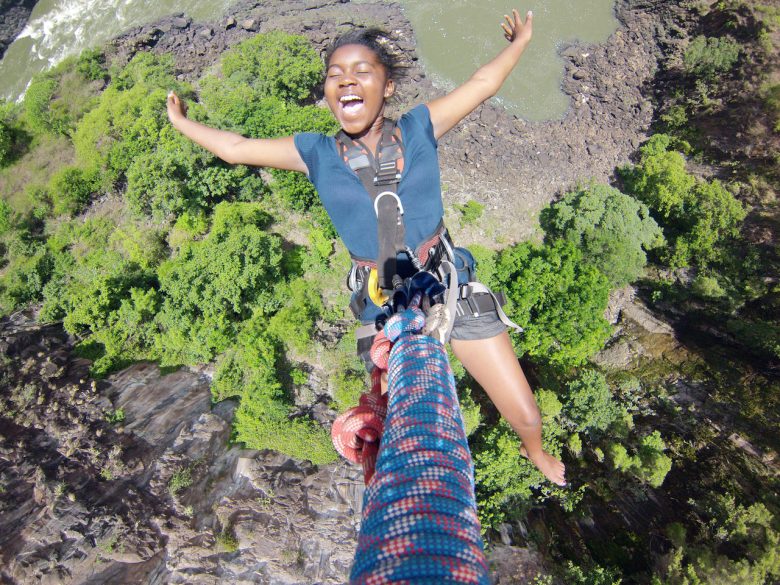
277 153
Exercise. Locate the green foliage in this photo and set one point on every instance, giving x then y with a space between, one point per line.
660 178
101 290
611 229
29 268
589 404
470 410
6 217
485 260
6 143
293 323
263 420
226 541
215 283
348 386
41 116
557 298
147 69
502 475
650 464
275 64
180 480
761 337
128 133
746 534
91 64
576 575
114 417
710 56
470 212
71 189
699 218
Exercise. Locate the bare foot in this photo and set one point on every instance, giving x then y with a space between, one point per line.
550 467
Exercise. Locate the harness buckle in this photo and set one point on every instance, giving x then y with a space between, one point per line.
394 196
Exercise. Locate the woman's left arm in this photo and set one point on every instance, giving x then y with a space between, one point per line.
450 109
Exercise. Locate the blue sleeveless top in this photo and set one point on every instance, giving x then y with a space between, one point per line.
349 204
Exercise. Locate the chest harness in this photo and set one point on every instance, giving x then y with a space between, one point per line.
378 279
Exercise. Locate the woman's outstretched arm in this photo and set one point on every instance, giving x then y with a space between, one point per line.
450 109
277 153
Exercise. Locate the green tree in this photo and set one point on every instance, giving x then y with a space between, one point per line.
71 189
710 56
699 218
557 298
212 285
589 404
612 229
276 64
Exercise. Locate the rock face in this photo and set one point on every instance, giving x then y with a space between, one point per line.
13 17
158 496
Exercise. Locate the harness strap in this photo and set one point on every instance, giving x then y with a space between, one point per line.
380 176
476 298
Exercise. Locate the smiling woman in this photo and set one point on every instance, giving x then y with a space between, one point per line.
361 76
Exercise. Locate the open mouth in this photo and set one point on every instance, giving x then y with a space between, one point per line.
351 102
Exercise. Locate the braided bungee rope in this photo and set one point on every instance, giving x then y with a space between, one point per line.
420 521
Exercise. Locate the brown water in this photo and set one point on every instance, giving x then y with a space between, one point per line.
59 28
455 37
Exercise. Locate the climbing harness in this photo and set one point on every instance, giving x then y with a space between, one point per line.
419 521
375 281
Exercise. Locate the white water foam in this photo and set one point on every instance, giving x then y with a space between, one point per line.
60 28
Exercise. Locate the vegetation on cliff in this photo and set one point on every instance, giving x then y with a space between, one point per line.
146 247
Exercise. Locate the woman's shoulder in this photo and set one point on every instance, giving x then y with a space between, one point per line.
417 120
311 141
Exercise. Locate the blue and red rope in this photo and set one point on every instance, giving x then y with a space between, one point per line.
420 520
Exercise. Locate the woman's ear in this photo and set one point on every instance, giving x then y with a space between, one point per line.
389 88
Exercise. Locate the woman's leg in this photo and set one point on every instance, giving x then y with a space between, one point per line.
493 364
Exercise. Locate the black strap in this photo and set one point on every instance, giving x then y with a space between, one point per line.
380 176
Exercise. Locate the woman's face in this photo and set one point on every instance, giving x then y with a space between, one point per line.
356 86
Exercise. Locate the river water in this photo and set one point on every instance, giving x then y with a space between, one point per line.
454 37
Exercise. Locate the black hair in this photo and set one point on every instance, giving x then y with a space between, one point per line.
374 39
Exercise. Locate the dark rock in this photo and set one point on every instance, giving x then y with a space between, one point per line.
180 22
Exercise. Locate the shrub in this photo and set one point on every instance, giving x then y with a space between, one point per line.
91 64
6 217
212 285
699 218
71 189
25 277
557 298
709 56
275 64
6 143
650 464
589 404
612 229
41 116
157 185
470 212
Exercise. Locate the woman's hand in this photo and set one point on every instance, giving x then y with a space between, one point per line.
514 29
177 109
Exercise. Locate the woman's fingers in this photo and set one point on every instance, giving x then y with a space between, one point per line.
514 27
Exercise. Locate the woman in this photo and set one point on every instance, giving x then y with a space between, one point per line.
359 80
